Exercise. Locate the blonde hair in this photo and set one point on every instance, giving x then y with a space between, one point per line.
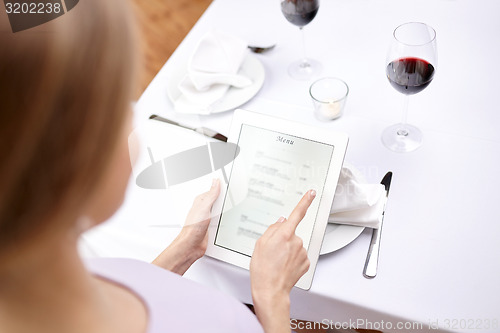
65 87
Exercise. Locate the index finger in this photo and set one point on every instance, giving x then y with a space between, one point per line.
300 210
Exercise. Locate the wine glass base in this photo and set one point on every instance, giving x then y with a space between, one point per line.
402 138
304 69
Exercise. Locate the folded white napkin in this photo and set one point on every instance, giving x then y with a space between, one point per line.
212 69
356 202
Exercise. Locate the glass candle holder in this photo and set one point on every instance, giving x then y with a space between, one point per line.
329 96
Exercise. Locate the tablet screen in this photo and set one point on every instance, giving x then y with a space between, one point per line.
269 176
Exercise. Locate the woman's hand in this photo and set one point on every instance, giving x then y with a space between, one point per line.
278 262
191 243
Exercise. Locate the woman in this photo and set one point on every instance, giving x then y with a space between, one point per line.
65 91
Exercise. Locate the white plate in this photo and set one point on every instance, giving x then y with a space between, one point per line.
339 235
234 97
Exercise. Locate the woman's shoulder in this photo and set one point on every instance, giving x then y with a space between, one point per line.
175 303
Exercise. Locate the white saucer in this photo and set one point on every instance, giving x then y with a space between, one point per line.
339 235
234 97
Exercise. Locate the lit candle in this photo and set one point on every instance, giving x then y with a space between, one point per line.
328 96
330 109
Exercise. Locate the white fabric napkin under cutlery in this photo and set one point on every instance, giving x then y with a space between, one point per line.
212 69
356 202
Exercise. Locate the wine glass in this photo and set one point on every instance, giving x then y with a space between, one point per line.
300 13
410 67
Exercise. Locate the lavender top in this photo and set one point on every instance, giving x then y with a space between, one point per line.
174 303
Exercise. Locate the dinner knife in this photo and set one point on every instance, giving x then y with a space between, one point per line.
202 130
371 264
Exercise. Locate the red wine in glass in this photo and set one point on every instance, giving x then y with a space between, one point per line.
410 75
410 67
301 13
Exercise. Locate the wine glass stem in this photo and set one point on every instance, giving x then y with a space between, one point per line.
403 131
304 63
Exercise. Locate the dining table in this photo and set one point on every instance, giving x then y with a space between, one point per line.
439 264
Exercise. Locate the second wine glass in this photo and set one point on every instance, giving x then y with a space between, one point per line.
410 67
300 13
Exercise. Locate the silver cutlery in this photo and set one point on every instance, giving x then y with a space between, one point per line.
202 130
371 264
261 49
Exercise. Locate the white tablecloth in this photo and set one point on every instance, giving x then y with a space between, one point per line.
439 263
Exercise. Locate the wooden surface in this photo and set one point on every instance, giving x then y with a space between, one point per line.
163 24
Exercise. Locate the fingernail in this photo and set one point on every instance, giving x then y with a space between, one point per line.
214 182
281 219
312 193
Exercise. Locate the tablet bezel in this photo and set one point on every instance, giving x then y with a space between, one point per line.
337 139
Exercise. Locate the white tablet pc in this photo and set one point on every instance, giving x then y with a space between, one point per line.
276 162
